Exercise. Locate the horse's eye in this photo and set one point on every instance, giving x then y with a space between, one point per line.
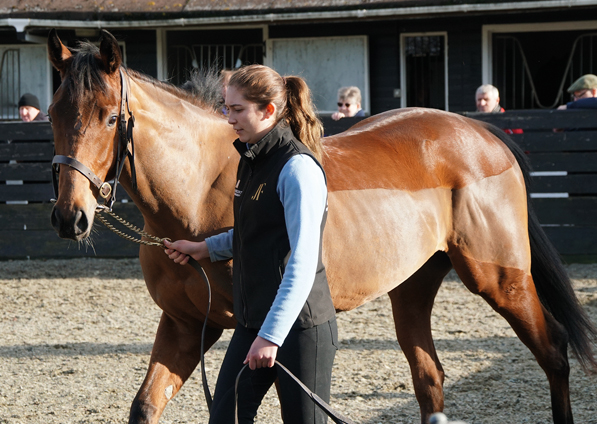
112 120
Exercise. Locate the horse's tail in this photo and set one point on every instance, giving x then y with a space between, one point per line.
551 279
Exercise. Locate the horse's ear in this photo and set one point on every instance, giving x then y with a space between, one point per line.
57 52
110 51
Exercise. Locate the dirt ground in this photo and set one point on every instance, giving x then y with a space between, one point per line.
75 350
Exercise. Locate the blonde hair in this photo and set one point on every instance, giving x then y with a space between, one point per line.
291 96
352 92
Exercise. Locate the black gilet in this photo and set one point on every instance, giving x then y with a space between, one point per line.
260 243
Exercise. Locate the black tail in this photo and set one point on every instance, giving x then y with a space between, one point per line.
551 279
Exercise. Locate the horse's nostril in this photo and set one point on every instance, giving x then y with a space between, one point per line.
81 222
56 219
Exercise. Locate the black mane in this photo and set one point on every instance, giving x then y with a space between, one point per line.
202 89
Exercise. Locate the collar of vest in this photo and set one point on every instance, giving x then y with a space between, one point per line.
279 135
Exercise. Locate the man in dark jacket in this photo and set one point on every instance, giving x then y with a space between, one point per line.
583 92
29 109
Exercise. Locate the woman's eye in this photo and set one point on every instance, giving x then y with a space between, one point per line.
112 120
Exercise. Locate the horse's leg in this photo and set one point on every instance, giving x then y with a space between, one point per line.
511 293
412 302
175 355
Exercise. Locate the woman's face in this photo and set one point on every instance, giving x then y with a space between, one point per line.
348 106
249 121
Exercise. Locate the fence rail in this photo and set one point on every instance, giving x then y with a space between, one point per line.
564 164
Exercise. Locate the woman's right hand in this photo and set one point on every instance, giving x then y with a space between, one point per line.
181 250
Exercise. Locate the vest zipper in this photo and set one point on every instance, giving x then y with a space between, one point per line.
242 286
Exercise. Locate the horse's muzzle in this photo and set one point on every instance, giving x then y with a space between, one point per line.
75 226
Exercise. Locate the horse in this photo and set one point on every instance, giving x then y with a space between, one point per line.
413 193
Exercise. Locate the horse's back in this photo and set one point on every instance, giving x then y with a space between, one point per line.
408 183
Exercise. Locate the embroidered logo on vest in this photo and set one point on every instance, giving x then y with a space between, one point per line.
258 192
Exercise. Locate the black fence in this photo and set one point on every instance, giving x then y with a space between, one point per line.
564 189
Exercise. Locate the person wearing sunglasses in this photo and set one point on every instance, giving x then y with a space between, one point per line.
583 93
349 103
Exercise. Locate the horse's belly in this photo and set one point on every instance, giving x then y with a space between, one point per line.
376 238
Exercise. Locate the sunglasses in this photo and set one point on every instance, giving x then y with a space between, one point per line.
344 104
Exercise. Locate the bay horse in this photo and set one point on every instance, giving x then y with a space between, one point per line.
412 194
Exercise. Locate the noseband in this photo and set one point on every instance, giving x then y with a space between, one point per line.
125 134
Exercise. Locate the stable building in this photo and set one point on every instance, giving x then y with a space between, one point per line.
429 53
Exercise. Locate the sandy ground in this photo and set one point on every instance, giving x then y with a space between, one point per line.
75 350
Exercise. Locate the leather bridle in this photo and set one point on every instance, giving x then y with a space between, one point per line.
125 137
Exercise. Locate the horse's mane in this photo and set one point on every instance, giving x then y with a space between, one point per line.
202 89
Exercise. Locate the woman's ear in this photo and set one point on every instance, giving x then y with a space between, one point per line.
270 110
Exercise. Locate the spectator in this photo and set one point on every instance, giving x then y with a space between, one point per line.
487 98
583 92
349 103
29 109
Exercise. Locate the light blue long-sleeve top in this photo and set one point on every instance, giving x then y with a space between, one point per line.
303 193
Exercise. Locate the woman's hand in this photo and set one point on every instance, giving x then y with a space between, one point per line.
262 354
336 116
180 251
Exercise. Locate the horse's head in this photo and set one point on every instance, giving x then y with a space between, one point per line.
85 115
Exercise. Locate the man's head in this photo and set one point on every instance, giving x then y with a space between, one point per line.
349 100
584 87
28 107
487 98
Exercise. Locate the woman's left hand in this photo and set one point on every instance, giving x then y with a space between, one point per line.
262 354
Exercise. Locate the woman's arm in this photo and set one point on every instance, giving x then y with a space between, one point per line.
303 192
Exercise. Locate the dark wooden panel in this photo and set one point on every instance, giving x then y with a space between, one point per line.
548 141
332 127
539 119
564 161
36 216
26 171
46 244
571 241
575 184
26 131
42 192
26 151
571 211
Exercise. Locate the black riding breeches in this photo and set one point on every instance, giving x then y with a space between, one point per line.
307 353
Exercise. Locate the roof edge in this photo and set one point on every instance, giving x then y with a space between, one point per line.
21 24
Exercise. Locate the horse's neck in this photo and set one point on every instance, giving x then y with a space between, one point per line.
184 160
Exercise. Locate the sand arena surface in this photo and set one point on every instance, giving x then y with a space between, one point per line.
75 350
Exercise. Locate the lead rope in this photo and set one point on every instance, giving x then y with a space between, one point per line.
159 242
333 414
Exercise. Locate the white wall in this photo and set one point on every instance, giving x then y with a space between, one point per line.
35 72
326 64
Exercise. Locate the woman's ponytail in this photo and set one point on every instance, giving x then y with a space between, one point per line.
300 115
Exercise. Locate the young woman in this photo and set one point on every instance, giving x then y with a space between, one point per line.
282 301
